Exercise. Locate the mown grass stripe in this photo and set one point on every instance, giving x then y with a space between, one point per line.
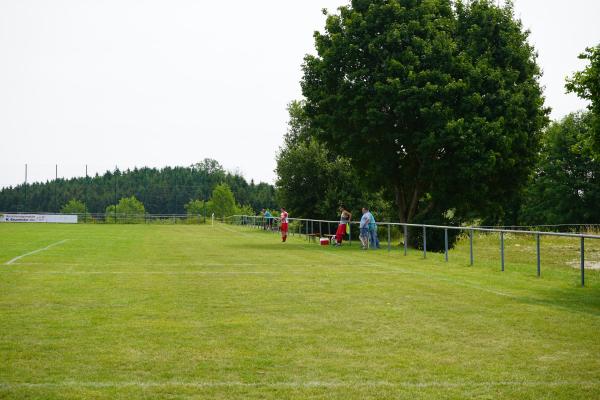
294 384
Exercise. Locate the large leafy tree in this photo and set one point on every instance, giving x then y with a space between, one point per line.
566 186
586 84
313 181
438 104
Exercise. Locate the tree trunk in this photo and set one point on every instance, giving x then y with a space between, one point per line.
406 211
403 210
414 203
400 203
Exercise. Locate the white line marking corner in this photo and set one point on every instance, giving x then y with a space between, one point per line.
35 251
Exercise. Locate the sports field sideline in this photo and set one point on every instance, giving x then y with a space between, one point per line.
175 311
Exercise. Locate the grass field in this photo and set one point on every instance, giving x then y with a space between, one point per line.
136 311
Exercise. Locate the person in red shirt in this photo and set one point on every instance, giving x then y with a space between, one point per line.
284 224
345 217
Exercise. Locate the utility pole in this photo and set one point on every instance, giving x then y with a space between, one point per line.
55 184
25 202
116 169
86 195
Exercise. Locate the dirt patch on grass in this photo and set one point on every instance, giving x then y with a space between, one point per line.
595 265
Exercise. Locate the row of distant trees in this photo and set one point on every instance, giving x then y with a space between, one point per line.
131 210
162 191
432 112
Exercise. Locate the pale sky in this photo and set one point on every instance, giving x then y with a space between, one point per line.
157 83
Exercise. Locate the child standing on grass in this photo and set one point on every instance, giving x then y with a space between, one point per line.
284 224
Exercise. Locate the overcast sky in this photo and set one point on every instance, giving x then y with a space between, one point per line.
157 83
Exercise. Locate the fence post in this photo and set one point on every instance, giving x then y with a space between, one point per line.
405 239
389 238
25 201
55 184
502 250
537 245
320 231
446 243
471 244
424 242
582 261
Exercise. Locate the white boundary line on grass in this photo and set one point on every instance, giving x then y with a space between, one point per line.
186 264
206 272
297 384
35 251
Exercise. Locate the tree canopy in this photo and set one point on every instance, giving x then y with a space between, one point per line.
586 84
566 186
313 181
222 201
73 206
128 210
438 104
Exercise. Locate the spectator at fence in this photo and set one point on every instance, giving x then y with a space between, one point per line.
283 219
268 219
364 229
345 218
373 239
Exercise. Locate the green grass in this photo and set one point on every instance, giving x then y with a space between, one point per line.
136 311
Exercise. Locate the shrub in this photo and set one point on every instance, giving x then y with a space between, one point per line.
129 211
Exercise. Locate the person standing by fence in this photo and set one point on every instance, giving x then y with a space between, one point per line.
373 239
284 224
268 220
364 229
345 218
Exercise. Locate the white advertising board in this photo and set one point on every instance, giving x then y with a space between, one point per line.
40 218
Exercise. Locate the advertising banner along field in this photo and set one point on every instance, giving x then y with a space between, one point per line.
40 218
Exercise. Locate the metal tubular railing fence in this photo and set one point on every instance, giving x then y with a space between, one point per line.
306 227
302 226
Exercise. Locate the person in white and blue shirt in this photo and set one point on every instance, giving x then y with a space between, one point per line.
364 229
268 219
373 239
